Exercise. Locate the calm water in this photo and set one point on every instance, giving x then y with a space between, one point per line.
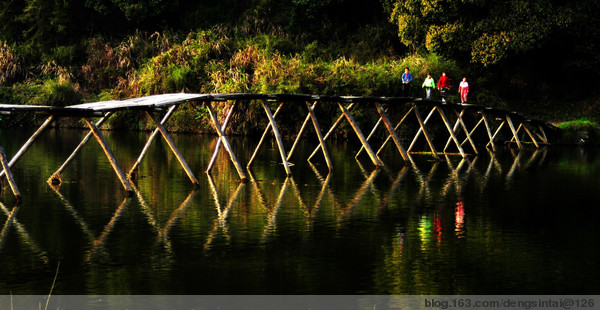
515 223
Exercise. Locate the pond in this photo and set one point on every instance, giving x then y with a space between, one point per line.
505 223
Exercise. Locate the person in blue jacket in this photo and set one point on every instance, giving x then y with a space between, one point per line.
406 80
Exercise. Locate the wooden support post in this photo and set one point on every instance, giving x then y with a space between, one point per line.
472 131
55 178
376 161
109 155
424 131
543 136
215 121
495 134
455 129
176 151
330 131
308 116
395 129
313 117
262 138
164 120
278 139
218 146
9 176
369 136
467 133
29 142
447 123
489 132
514 132
388 124
537 146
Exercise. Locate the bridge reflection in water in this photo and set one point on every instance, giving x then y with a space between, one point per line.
381 186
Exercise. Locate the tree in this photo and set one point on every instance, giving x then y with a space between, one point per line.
485 32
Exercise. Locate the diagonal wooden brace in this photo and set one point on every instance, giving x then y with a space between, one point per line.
109 155
164 120
226 144
176 151
55 178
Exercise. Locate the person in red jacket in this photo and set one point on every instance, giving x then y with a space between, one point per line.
443 85
463 89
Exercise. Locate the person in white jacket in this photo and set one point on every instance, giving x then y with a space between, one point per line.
428 84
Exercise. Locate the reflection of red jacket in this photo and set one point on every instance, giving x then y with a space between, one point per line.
443 82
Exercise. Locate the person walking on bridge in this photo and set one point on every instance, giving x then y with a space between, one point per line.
443 85
428 84
406 80
463 89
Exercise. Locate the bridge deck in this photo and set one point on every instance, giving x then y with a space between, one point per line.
520 127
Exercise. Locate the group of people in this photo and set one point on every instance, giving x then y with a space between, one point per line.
443 85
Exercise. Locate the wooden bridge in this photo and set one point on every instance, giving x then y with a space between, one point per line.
482 130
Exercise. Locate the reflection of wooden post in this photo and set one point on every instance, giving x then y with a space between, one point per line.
226 144
277 138
360 136
9 176
29 142
55 178
149 142
388 124
109 155
218 146
313 117
171 144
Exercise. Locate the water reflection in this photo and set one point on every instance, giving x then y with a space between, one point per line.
424 227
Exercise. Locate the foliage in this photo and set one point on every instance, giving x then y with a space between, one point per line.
10 65
580 131
485 32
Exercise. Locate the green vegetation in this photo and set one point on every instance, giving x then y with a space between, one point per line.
513 53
